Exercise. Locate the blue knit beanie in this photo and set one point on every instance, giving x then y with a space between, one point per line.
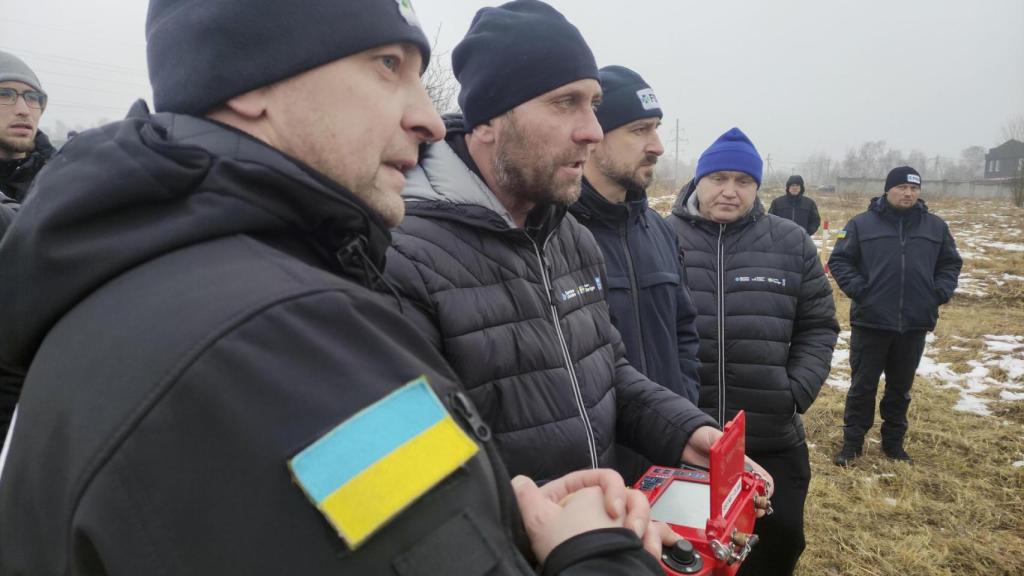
202 53
627 97
514 53
734 152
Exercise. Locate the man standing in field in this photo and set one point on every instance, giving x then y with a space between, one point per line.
767 329
898 263
796 206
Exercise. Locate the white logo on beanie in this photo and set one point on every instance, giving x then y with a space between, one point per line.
648 99
914 179
407 12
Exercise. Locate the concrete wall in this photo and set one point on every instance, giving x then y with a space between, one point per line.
932 188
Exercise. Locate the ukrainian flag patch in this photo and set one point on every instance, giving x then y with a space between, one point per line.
841 234
371 467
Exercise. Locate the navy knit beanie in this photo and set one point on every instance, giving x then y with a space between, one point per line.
202 53
902 175
514 53
626 98
734 152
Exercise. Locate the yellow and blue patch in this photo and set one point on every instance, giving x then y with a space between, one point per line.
371 467
841 234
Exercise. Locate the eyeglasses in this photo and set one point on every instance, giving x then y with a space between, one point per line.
33 98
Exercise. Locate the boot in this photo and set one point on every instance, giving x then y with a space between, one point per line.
897 453
848 454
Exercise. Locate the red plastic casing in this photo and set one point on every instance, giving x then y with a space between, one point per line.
732 491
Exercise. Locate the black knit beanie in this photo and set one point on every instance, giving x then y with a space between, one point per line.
626 98
202 53
902 175
514 53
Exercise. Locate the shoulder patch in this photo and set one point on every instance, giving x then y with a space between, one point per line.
841 234
371 467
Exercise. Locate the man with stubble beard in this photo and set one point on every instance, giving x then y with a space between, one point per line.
507 285
24 149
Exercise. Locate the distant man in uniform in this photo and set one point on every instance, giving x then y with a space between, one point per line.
898 263
211 386
24 149
795 205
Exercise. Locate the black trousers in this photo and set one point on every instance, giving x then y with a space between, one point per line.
873 352
781 534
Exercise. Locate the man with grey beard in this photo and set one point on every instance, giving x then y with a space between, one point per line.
509 287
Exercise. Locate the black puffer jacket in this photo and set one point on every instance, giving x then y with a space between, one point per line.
766 319
897 267
521 315
195 314
16 182
798 208
651 306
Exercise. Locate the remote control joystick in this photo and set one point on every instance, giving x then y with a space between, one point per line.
682 558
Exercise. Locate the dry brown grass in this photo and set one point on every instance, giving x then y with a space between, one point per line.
960 509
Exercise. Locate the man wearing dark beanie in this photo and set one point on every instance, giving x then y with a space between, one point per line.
767 327
795 205
211 385
649 302
510 288
898 263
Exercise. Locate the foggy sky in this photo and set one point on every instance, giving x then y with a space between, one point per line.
798 76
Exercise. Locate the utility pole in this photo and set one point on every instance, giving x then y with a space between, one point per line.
675 173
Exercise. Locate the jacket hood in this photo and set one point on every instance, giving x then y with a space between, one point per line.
795 180
128 192
686 207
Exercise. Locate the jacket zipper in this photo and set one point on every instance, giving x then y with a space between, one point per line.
721 327
634 289
903 267
591 444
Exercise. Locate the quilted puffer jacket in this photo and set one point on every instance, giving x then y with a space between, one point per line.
521 315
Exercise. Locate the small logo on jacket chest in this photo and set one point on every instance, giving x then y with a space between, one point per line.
585 288
760 280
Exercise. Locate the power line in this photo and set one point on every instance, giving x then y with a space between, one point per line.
97 79
78 61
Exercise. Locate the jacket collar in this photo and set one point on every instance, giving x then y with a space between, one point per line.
592 204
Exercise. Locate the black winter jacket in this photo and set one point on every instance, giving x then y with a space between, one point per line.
896 267
8 209
521 316
651 306
766 319
799 209
191 317
16 183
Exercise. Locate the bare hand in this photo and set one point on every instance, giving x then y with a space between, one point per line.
548 524
618 499
659 535
698 448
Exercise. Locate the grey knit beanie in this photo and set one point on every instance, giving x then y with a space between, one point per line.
13 69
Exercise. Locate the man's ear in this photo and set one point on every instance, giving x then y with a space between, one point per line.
252 105
486 133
